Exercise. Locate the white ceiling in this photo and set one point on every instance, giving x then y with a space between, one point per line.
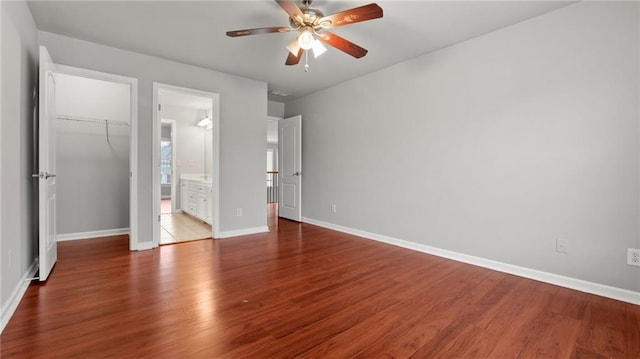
194 33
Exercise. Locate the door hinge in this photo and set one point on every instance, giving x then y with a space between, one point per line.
158 218
159 107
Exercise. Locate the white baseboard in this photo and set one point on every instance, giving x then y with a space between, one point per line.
92 234
567 282
16 296
241 232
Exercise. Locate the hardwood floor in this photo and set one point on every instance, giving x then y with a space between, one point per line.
303 291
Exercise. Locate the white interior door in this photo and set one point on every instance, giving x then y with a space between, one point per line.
47 165
290 168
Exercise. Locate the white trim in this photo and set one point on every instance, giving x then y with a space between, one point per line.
567 282
215 188
16 296
2 320
133 137
133 169
241 232
92 234
144 246
215 170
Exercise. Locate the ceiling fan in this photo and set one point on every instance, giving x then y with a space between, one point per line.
312 24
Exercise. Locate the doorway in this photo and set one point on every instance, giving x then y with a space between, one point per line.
186 142
95 154
272 172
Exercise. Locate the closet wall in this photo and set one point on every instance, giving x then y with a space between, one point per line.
92 157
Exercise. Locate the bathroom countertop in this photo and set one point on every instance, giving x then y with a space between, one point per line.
197 177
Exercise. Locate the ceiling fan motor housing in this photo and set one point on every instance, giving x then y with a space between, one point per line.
310 18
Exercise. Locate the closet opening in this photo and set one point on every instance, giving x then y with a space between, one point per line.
95 118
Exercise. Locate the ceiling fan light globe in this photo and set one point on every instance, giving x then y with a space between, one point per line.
306 39
318 48
293 47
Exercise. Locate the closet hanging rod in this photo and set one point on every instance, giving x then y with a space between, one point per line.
91 120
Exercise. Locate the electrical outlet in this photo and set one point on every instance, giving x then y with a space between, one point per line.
633 257
239 212
334 208
561 245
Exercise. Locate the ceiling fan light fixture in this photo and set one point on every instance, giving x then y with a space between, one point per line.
306 39
318 48
312 25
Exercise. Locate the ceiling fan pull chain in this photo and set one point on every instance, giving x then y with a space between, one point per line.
306 61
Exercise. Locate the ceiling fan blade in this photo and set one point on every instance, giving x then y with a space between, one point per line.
342 44
261 30
294 59
290 7
351 16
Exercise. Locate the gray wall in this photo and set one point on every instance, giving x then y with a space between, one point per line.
243 108
275 109
274 148
18 230
93 177
493 147
165 132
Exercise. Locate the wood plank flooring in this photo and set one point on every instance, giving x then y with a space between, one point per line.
303 291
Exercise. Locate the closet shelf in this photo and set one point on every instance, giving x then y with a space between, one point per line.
106 123
92 120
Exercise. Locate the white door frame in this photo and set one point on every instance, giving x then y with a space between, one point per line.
215 160
174 180
133 139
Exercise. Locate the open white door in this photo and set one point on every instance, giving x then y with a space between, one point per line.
47 165
290 167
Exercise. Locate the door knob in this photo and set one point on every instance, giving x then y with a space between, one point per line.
43 175
297 174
